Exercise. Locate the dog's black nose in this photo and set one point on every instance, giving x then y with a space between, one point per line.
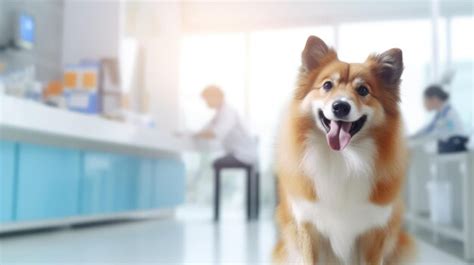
341 108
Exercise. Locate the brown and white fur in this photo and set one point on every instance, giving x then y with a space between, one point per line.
340 202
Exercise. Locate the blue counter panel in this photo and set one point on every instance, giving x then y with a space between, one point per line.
170 183
146 184
48 182
7 178
109 183
39 182
96 196
126 172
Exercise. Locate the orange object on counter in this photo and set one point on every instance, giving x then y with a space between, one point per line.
70 79
89 80
54 88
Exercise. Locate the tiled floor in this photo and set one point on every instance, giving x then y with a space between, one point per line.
171 241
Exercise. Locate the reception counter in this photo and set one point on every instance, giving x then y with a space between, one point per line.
59 167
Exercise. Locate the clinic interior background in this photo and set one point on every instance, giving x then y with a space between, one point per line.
169 51
257 70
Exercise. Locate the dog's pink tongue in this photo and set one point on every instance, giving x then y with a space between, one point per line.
338 136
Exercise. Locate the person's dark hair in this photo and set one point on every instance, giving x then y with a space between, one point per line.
436 91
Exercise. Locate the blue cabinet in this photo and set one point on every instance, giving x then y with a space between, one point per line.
146 184
48 182
109 183
7 180
126 173
97 184
43 182
170 183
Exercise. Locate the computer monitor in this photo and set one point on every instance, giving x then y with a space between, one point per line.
25 31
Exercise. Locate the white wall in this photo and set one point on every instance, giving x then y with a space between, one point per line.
157 26
162 66
91 30
46 53
3 23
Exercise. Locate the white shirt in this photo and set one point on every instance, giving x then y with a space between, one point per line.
234 136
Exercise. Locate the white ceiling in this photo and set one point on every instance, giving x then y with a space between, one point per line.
246 15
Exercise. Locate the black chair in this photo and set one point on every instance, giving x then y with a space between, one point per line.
252 186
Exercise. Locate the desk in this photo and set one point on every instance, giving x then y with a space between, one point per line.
429 163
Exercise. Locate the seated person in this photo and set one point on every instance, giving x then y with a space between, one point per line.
227 127
446 124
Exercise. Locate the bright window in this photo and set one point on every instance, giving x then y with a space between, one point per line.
462 86
358 40
210 59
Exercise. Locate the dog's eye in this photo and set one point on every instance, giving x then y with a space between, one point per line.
363 91
327 85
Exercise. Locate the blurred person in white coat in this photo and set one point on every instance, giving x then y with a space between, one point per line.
445 130
228 128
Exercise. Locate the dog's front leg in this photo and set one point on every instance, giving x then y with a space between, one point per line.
372 245
307 241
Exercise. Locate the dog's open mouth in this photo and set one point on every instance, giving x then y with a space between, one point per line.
340 133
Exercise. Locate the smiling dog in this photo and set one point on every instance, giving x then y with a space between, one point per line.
341 162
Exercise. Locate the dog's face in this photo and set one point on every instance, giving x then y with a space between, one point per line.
347 100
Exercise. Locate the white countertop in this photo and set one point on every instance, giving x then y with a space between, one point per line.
24 120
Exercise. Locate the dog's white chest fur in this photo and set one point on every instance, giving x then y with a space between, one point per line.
343 182
341 224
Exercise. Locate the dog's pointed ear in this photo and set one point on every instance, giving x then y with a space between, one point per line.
314 51
390 66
